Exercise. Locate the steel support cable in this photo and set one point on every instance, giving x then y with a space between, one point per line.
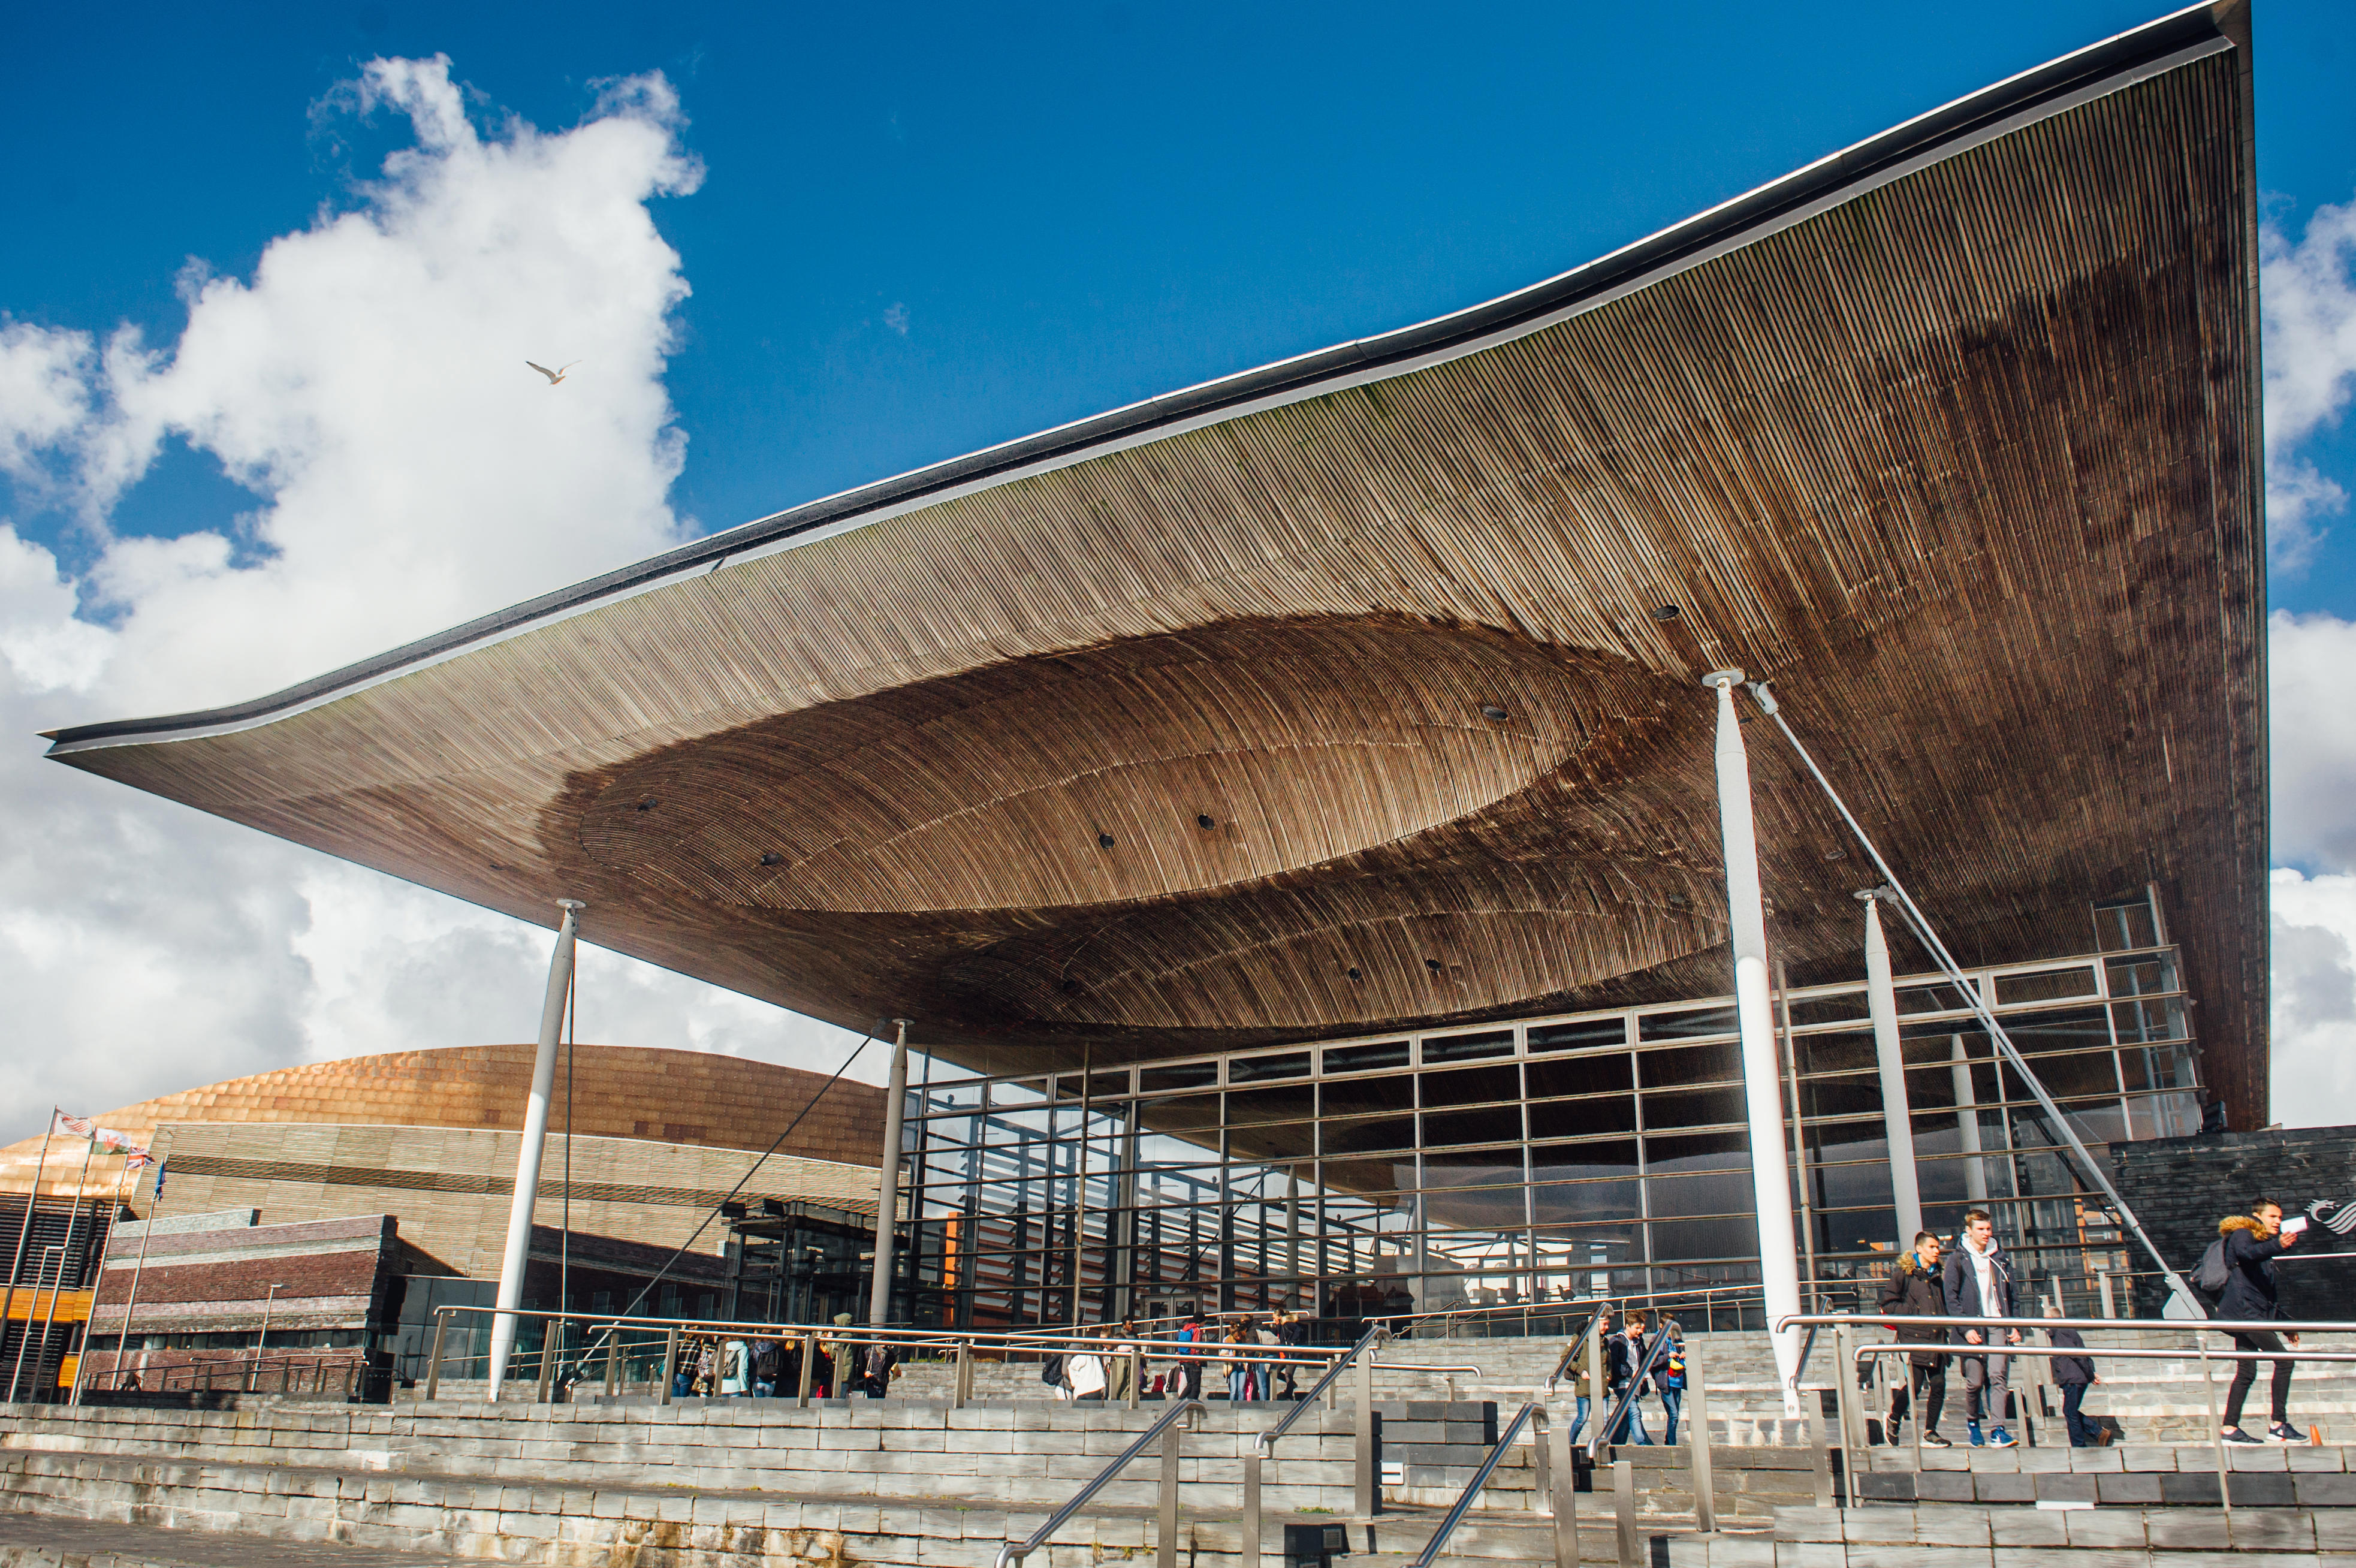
1978 1004
864 1041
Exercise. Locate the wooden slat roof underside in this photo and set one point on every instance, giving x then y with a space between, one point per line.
1956 442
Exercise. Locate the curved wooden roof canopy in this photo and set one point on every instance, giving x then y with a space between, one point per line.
1179 728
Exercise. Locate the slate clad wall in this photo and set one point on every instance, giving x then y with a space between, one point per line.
2179 1188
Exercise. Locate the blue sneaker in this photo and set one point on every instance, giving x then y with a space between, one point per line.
1974 1428
1999 1438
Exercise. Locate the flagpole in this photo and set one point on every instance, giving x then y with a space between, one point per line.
25 1233
65 1254
90 1322
146 1233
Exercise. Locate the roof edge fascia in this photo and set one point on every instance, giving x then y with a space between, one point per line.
2100 68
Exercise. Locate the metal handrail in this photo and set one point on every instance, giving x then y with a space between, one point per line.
2100 1324
1611 1423
1531 1409
1012 1552
1367 1342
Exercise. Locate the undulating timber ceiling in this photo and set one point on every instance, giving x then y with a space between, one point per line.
1364 690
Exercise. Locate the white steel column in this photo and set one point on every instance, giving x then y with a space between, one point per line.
518 1256
1897 1116
887 1202
1968 1120
1771 1174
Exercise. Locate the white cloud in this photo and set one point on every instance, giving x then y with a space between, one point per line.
895 316
367 383
2314 999
2309 293
2310 661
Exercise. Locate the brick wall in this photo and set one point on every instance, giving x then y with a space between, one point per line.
2179 1188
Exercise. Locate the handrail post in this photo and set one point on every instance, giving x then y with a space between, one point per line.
2216 1432
1561 1489
614 1361
1136 1373
1623 1512
960 1384
670 1367
1165 1513
1251 1508
1333 1388
810 1369
1367 1482
1697 1440
547 1360
1819 1458
434 1361
1845 1369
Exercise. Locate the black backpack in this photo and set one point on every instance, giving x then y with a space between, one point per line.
1051 1371
2214 1272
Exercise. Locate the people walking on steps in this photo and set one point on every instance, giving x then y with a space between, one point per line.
2250 1244
1623 1357
1232 1361
2074 1375
1976 1278
1915 1289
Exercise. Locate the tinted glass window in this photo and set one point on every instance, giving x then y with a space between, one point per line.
1251 1069
1720 1063
1186 1075
1698 1108
1497 1124
1579 1035
1686 1025
1604 1073
1580 1118
1468 1048
1365 1059
1471 1086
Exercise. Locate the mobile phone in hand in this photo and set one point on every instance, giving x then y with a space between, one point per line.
2294 1225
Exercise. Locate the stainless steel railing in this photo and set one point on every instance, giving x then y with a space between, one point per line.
1655 1355
1531 1410
1163 1431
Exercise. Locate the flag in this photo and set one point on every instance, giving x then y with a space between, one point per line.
75 1126
106 1138
159 1179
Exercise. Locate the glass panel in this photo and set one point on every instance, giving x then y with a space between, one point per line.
1606 1072
1578 1034
1700 1108
1941 997
1364 1096
1186 1075
1698 1152
1681 1239
2075 1030
1858 1094
1687 1025
1834 1053
1583 1118
1585 1202
2142 976
1608 1158
1499 1124
2068 1077
1366 1134
1840 1008
1194 1113
1277 1141
1471 1086
1365 1059
1720 1063
2140 1022
2127 923
1252 1069
1295 1103
1472 1167
1468 1048
2045 985
1718 1192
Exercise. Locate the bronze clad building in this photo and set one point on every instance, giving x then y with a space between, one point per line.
1358 695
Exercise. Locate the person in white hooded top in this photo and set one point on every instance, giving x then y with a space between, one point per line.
1977 1280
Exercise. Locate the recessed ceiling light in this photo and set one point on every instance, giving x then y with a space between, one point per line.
1493 714
1666 613
1433 964
773 858
1354 975
1836 854
1203 820
1104 841
648 804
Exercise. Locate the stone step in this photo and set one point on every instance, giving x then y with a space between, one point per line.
1989 1538
32 1541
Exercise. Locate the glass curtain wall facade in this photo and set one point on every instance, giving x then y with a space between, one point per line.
1544 1160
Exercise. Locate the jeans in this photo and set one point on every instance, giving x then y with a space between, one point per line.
1986 1395
1671 1401
2246 1374
1930 1387
764 1389
1634 1420
680 1383
1579 1422
1239 1385
2082 1431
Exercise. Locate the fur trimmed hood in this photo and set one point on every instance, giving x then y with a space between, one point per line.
2232 1223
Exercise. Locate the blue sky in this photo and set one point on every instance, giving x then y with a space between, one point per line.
1070 208
824 246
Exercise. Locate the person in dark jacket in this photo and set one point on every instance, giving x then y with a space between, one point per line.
1978 1279
2074 1375
2252 1242
1914 1290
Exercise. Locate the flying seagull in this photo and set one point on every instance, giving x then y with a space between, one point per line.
555 375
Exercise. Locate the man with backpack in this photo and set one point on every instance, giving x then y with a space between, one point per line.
2074 1375
1623 1358
1976 1279
2241 1263
1669 1382
1915 1290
